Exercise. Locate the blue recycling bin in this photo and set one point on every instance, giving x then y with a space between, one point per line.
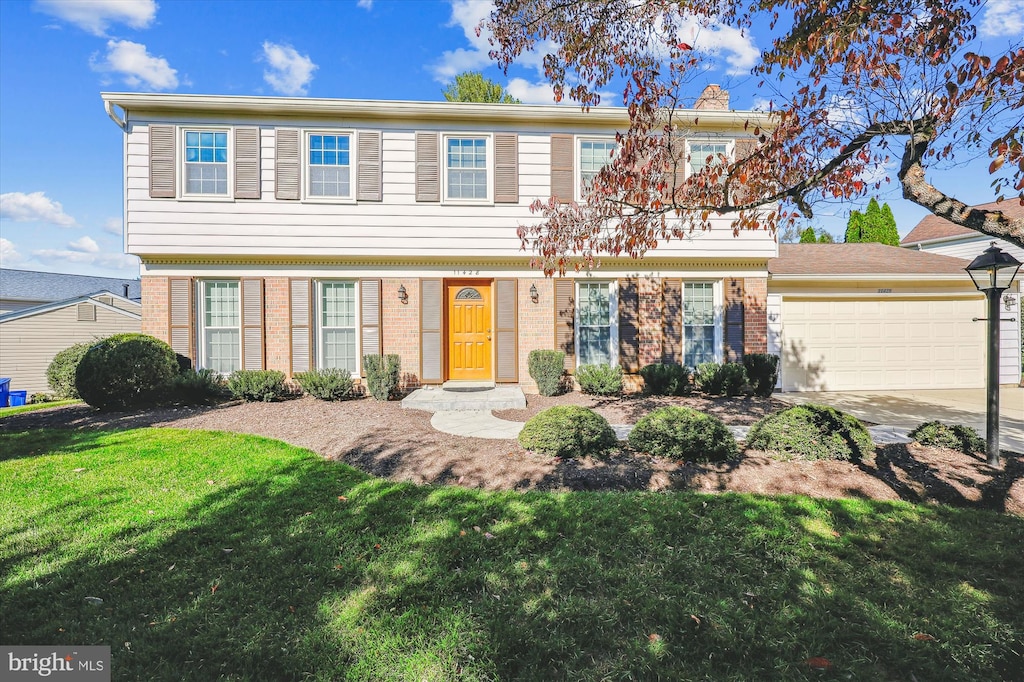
5 389
17 398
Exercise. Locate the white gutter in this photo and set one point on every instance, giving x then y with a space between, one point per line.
108 106
872 277
407 110
941 240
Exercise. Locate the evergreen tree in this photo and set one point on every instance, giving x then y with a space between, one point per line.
854 228
876 224
825 237
808 236
888 235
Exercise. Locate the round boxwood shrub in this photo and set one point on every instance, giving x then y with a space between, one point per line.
812 432
662 379
326 384
683 433
126 370
568 431
546 368
955 437
60 374
600 379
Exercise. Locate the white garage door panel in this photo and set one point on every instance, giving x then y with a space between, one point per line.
851 345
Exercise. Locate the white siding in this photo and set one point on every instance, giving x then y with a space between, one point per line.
9 305
396 226
29 343
972 246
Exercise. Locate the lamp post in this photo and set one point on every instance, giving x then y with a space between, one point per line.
993 272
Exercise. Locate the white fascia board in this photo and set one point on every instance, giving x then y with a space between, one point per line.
406 110
872 277
942 240
88 298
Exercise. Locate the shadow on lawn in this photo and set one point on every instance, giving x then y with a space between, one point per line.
313 570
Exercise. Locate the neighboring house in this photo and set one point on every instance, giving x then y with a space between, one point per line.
26 288
873 317
937 235
30 337
292 233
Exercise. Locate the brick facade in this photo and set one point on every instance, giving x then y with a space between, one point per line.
277 324
155 308
650 332
536 325
755 315
401 327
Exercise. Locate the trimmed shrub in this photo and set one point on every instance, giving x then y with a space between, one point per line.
568 431
547 367
382 374
717 379
256 385
685 434
201 387
762 372
662 379
812 432
326 384
40 398
60 374
600 379
955 437
126 370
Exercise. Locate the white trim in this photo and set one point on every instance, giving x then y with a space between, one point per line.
488 161
318 321
305 172
132 103
183 194
613 315
860 277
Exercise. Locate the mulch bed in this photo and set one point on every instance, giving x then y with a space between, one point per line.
384 440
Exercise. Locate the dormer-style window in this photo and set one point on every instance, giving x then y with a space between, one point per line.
206 162
330 165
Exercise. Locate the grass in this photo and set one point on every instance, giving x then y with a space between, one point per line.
18 409
235 557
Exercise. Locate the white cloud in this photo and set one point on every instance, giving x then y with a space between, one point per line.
33 208
84 244
111 261
113 226
289 72
726 42
762 104
531 93
1003 18
9 254
95 16
467 14
365 4
137 67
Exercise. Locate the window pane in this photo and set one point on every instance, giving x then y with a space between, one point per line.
595 323
340 349
206 156
338 324
316 141
698 323
466 160
699 346
223 350
338 303
595 345
221 304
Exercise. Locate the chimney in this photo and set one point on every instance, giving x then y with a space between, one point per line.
713 98
126 291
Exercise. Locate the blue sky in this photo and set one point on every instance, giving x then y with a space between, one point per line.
61 157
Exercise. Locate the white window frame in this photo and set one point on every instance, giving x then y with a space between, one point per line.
613 316
489 162
201 321
578 160
730 150
717 301
307 171
183 193
319 325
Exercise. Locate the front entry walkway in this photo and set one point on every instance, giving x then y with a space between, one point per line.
465 397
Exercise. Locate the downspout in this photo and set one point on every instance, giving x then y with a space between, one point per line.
108 106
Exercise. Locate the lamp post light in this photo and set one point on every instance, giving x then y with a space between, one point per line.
993 272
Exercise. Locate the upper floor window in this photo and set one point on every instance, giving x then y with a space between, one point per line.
330 165
594 155
707 154
466 169
206 162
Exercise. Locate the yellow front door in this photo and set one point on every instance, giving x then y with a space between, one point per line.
469 331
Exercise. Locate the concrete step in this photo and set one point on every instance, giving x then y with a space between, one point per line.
437 399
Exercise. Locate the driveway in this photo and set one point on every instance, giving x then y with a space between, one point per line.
907 409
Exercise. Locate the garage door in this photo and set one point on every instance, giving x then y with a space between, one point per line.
861 344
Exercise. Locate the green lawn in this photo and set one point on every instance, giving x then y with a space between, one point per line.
235 557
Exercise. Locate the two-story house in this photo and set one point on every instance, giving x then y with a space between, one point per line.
291 233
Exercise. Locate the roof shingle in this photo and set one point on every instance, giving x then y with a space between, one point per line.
934 227
30 285
861 259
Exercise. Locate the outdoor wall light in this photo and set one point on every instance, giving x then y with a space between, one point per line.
534 296
993 272
403 295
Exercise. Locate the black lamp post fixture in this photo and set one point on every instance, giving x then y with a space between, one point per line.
403 295
993 272
534 296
